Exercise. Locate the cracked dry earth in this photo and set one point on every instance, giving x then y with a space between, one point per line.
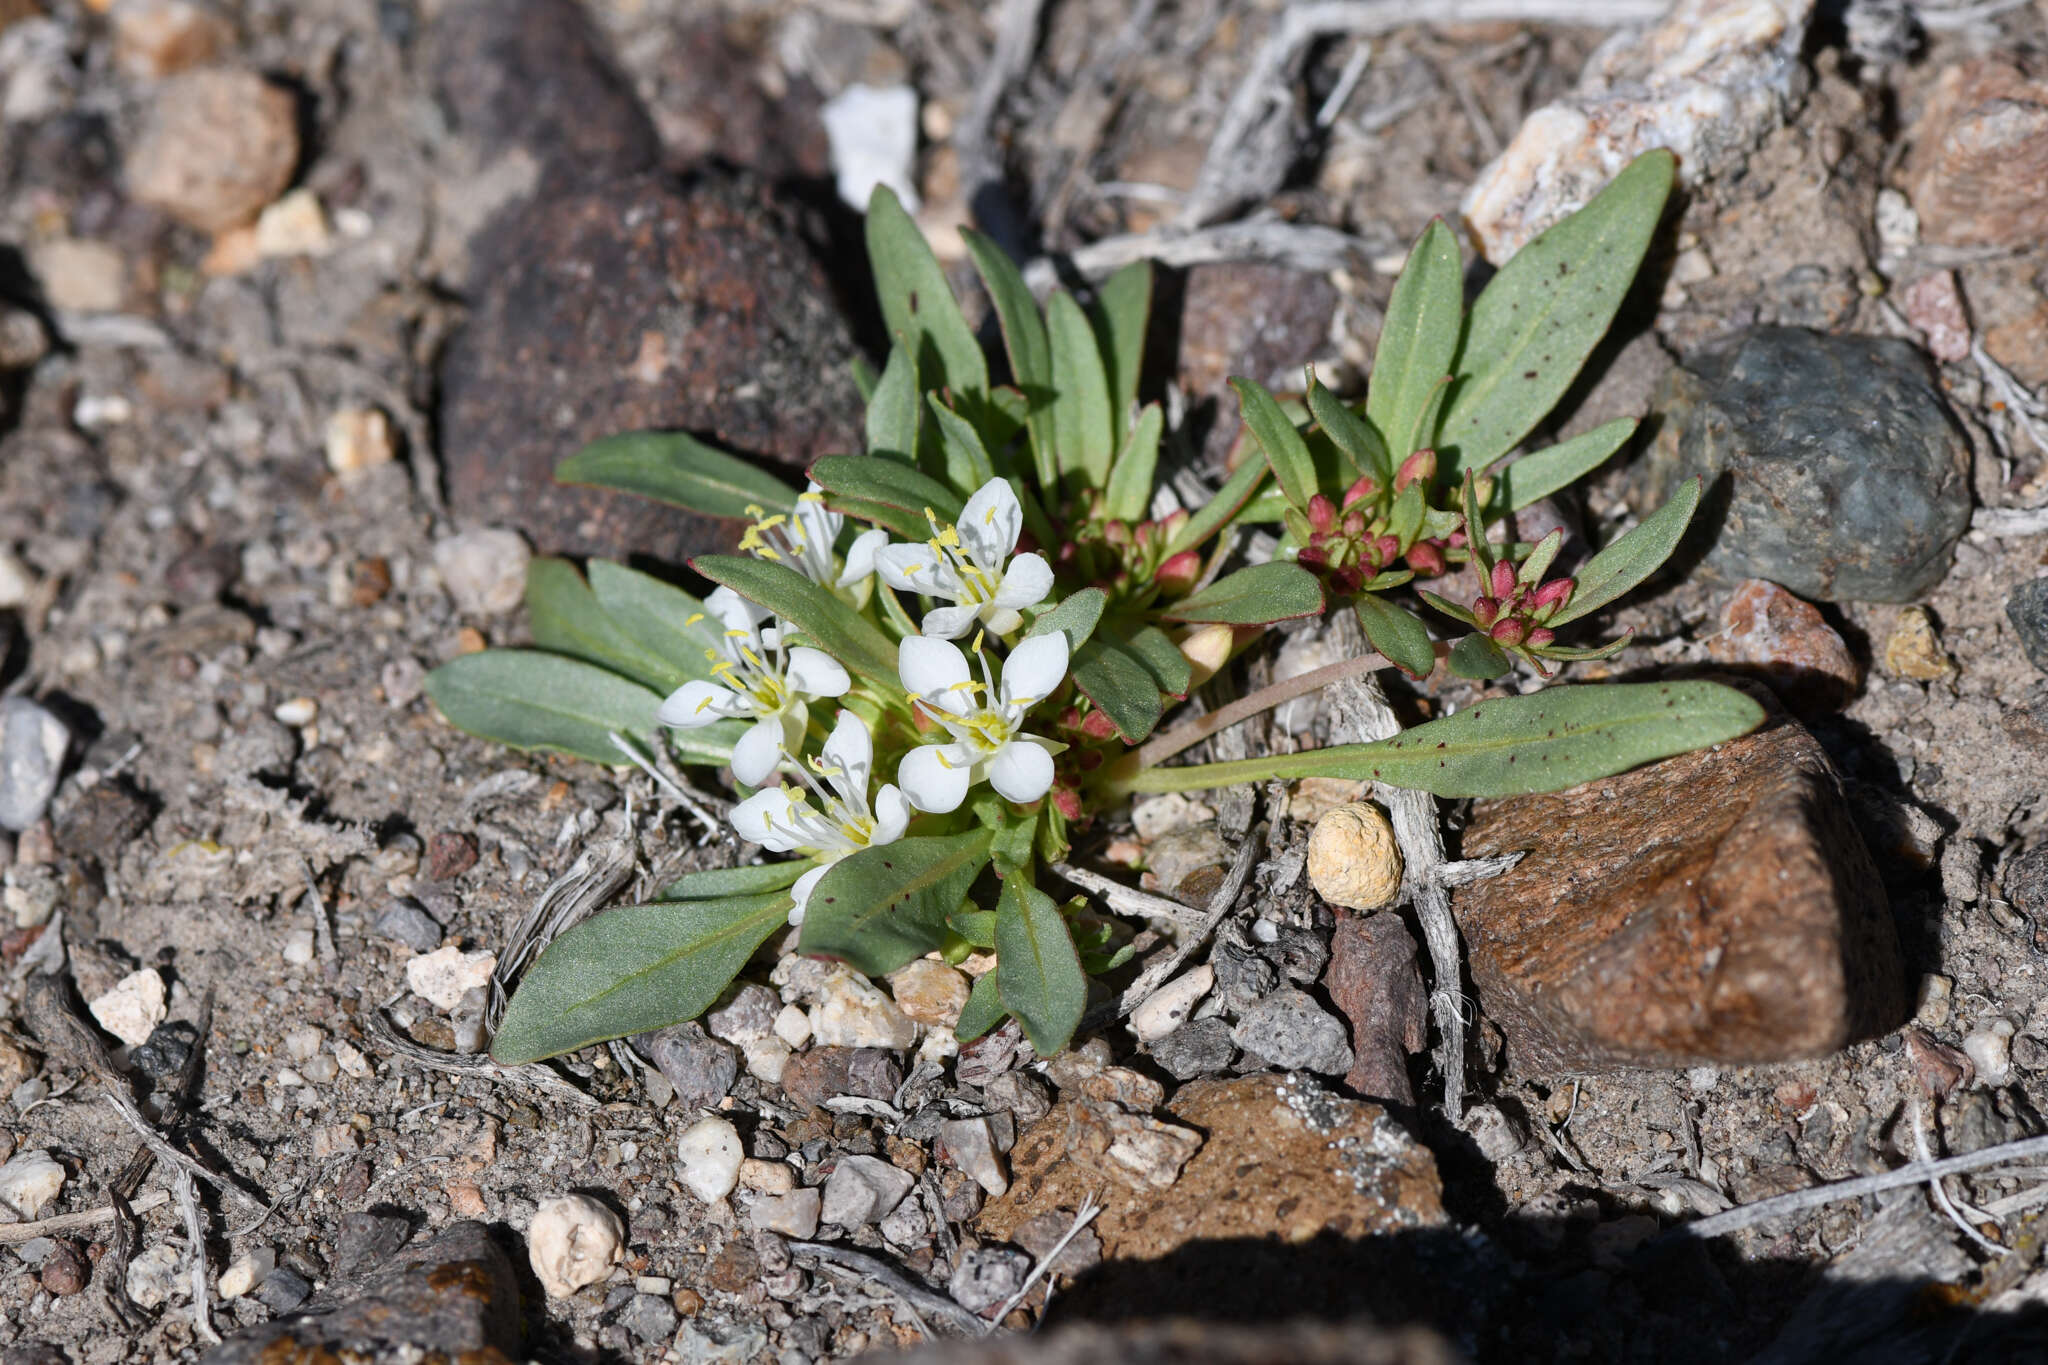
248 487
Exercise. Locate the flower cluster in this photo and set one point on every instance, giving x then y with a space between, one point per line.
971 727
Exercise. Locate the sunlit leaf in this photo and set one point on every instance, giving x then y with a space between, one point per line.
879 908
676 468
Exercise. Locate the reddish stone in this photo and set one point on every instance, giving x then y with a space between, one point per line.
1717 907
1935 305
1786 639
450 853
1261 321
1980 156
1373 978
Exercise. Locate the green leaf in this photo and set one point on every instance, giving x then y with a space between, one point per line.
1211 515
1257 596
1479 658
657 616
864 378
918 306
1038 973
1397 633
879 908
567 618
1076 614
1130 481
1162 658
1546 741
1292 465
735 881
841 632
983 1011
1123 307
1538 320
1350 433
892 416
1419 339
1121 687
885 489
1449 608
1418 435
1010 849
1634 557
967 462
1024 337
532 700
1083 425
633 969
1404 518
676 468
978 927
1540 473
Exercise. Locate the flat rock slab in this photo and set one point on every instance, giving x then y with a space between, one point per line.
1717 907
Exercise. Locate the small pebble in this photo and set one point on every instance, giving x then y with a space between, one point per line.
968 1145
298 947
444 976
1168 1007
297 712
1291 1031
746 1016
711 1154
767 1177
1353 860
33 743
484 571
852 1013
795 1214
1913 649
302 1043
650 1318
930 993
405 922
154 1276
1989 1048
133 1008
793 1026
573 1241
862 1189
246 1273
988 1277
282 1290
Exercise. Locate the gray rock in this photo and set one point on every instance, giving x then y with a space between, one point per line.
864 1189
409 924
745 1016
1289 1029
650 1318
988 1277
1020 1094
1201 1047
33 743
1242 976
258 747
1832 466
283 1290
701 1068
1300 954
2027 609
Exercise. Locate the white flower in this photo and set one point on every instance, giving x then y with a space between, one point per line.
965 565
783 820
803 540
757 678
983 720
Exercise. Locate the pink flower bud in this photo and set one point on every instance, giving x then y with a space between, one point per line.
1179 572
1486 611
1354 525
1313 558
1116 533
1321 514
1098 725
1384 549
1360 491
1541 636
1456 540
1425 558
1503 579
1347 580
1553 594
1509 631
1421 465
1067 802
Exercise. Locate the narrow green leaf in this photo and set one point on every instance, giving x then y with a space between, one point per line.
900 520
1285 450
967 462
1130 482
1540 473
735 881
532 700
1449 608
1211 516
1545 741
864 378
1419 339
676 468
1082 422
874 483
879 908
1076 614
1257 596
1404 518
983 1011
1121 687
633 969
1162 658
1634 557
1422 433
894 410
656 615
1397 633
918 306
1123 307
1269 506
844 634
1010 848
1538 320
567 618
1350 433
1478 658
1024 337
1038 973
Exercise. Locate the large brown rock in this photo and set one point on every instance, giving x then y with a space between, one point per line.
1717 907
1261 321
1980 156
640 304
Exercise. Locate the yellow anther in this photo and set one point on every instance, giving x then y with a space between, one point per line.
695 617
755 509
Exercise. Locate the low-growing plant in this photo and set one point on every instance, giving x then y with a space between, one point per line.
918 713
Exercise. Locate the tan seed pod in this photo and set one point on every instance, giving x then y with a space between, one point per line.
1353 860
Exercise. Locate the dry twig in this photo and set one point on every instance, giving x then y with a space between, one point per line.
1082 1218
12 1234
1157 974
885 1276
532 1076
195 1235
1129 900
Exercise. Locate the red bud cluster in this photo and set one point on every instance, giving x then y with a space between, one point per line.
1513 614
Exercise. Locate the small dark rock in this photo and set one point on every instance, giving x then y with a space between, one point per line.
992 1054
821 1073
283 1290
450 853
366 1241
1019 1094
409 924
1242 976
988 1277
650 1318
2027 609
34 1353
1299 953
1040 1235
201 575
747 1012
163 1055
1374 979
1265 321
700 1067
1831 464
103 821
873 1074
1201 1047
2026 880
1290 1030
65 1269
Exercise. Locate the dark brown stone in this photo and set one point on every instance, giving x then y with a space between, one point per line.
1374 979
65 1269
1188 1342
1261 321
1980 156
1717 907
639 305
450 853
821 1073
710 107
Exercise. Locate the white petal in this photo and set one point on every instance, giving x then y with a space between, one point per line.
990 524
860 556
734 610
949 623
931 667
821 525
755 757
851 749
1026 582
892 816
1035 668
763 819
698 703
1021 771
1001 620
801 892
916 568
931 778
815 673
